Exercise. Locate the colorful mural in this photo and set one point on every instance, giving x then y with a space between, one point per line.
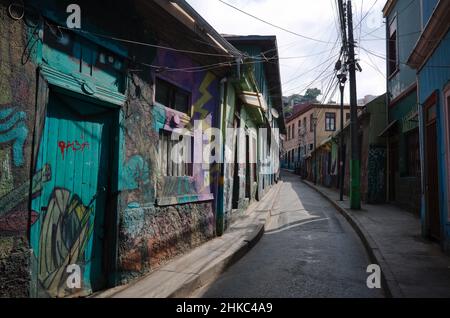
66 228
13 130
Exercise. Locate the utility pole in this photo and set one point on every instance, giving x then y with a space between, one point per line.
315 147
342 80
355 163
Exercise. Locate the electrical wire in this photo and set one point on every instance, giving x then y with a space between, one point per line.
273 25
400 62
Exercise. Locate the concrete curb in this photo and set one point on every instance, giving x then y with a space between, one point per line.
211 272
389 283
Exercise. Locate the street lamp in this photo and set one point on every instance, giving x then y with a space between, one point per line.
342 77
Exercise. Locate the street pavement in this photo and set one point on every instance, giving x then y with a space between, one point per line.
413 266
308 250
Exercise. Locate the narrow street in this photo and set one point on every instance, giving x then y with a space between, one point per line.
308 250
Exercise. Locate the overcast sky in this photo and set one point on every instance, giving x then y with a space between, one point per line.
315 19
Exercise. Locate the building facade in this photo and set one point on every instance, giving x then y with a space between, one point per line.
321 118
91 120
430 59
402 129
371 122
254 110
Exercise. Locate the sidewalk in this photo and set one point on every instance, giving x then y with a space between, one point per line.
411 265
185 274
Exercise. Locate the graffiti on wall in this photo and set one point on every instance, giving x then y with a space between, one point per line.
135 173
13 219
376 175
152 236
74 146
13 130
65 232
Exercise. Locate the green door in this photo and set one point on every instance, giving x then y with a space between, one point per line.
70 197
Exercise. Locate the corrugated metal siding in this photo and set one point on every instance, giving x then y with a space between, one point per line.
435 76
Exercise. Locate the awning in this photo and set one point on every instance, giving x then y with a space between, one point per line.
414 117
255 105
254 100
390 129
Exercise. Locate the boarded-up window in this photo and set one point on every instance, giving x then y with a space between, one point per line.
172 165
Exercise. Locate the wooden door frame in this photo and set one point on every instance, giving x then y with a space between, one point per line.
431 101
111 240
446 124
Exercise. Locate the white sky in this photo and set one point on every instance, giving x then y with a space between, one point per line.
313 18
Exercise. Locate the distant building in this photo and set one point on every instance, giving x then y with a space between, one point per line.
371 120
367 99
300 130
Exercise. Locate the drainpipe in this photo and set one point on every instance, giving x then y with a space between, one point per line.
221 120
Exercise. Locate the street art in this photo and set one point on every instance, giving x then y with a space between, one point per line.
376 175
152 236
74 146
12 220
183 215
65 230
135 173
13 129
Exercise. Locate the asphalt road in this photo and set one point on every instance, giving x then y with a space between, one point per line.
308 250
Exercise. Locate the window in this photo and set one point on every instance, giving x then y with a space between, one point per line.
412 153
170 168
299 127
304 123
293 130
172 96
330 121
392 48
311 123
347 117
311 147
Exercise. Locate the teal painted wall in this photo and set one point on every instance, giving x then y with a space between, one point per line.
431 79
408 31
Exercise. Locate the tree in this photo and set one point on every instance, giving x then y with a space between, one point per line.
312 94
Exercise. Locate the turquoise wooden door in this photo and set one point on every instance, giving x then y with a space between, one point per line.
74 173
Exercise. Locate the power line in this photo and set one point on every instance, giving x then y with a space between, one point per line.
273 25
145 44
367 13
400 62
312 69
375 66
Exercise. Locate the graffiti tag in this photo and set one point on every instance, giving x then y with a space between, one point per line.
75 146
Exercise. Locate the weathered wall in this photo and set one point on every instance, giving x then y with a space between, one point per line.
17 100
151 234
